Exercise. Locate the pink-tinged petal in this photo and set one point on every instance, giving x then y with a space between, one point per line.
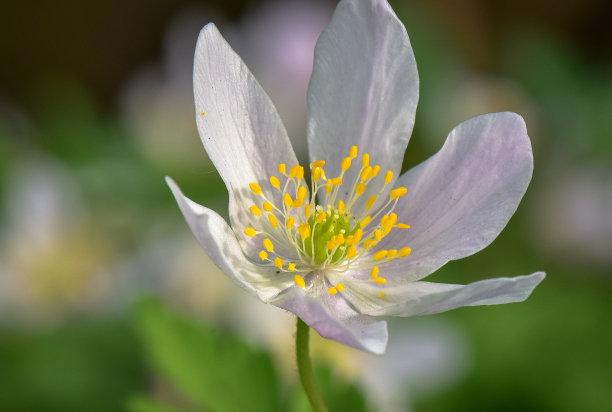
333 318
460 199
238 124
363 90
220 244
425 298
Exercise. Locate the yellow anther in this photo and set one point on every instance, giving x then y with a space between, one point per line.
267 243
340 287
331 245
337 181
318 163
282 168
365 160
368 243
272 220
255 210
398 192
393 217
263 255
402 226
364 222
202 112
307 210
378 234
302 192
290 222
296 171
299 281
250 232
332 291
370 202
353 152
297 202
381 254
375 170
360 188
357 235
317 173
382 295
351 252
403 252
392 253
340 206
328 186
278 262
255 188
388 176
320 217
384 220
291 267
274 182
387 228
339 239
349 240
374 272
267 206
304 230
287 200
345 164
366 173
380 280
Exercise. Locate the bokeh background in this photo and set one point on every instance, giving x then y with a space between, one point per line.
103 287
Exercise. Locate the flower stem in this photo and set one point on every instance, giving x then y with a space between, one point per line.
305 367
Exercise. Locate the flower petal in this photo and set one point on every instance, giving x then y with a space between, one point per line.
461 198
424 298
364 88
333 318
238 124
219 242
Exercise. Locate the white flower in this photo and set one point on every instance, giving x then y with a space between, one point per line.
362 250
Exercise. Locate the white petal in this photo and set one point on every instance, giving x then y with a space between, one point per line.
461 198
333 318
424 298
364 88
241 130
219 242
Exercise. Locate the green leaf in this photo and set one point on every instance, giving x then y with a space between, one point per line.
217 372
144 404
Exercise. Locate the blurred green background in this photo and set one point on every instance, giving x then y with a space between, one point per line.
108 303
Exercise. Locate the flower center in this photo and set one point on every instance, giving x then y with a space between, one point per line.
312 237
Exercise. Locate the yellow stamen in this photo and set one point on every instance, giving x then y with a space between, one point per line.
299 281
337 181
398 192
267 206
340 206
382 294
332 291
340 287
402 226
255 210
272 220
318 163
345 164
287 200
351 252
360 188
291 267
388 176
357 235
403 252
255 188
302 192
374 272
317 173
320 217
328 186
368 243
380 280
370 202
380 254
263 255
202 112
267 243
366 173
392 253
304 230
278 262
375 170
364 222
282 168
290 222
378 235
297 202
353 152
250 232
296 171
365 160
307 210
274 182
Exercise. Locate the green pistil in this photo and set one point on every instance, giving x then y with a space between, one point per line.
321 233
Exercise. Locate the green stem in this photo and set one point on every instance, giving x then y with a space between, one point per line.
305 367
